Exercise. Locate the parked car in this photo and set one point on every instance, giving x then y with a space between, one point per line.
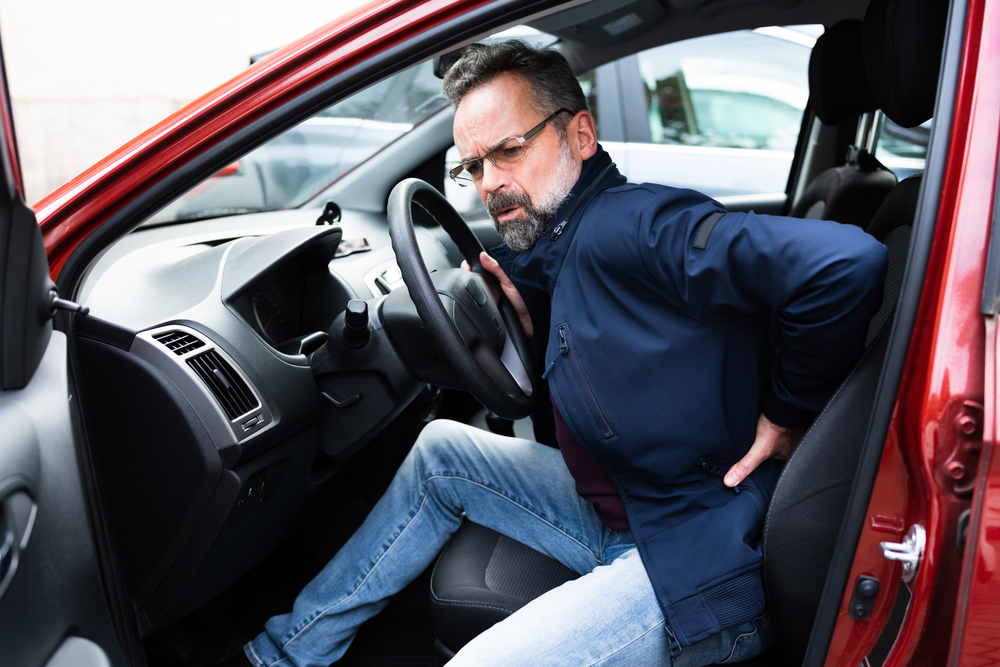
173 468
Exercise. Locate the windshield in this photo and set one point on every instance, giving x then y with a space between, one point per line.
293 167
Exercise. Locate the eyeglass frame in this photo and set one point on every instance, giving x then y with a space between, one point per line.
454 173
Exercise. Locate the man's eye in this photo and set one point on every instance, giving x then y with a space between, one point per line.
473 167
507 153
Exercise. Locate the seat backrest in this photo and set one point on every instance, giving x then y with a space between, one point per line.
903 40
809 502
838 90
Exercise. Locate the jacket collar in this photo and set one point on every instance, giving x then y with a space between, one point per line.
539 266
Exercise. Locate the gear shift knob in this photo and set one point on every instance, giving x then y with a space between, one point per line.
355 333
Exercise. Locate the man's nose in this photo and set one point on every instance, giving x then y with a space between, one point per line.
495 178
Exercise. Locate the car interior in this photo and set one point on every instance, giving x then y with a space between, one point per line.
264 345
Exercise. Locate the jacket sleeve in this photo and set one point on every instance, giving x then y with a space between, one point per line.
824 280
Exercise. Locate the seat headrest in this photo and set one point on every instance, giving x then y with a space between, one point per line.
903 40
838 84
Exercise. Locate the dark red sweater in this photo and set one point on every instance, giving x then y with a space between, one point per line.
593 482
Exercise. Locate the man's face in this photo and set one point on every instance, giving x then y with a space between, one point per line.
521 198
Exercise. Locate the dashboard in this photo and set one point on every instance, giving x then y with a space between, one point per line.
211 429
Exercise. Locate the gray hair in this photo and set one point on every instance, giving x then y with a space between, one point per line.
552 83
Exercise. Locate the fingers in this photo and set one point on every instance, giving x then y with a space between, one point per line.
494 267
757 454
465 265
772 442
510 291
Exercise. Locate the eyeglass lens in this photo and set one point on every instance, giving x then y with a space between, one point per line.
505 155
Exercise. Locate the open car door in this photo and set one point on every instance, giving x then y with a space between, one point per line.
53 610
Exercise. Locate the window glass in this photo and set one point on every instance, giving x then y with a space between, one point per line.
588 82
723 111
903 149
293 167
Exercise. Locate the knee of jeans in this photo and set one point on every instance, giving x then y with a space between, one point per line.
435 440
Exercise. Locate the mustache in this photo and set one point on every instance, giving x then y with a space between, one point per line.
498 201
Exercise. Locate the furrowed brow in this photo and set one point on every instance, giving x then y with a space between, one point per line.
488 150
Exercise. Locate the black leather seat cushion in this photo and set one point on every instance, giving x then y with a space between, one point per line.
847 194
482 577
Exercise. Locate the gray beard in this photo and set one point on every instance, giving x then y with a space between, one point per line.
523 232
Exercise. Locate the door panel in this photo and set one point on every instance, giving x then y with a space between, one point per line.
51 586
52 604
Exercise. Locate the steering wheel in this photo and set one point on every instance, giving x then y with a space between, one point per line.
475 327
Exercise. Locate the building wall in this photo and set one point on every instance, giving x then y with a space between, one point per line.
86 76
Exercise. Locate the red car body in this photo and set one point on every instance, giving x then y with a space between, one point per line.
939 456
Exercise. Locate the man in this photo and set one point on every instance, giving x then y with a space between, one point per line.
651 306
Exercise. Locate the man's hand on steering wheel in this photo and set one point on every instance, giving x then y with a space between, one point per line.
509 290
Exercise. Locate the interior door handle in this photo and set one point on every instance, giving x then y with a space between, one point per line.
6 550
17 518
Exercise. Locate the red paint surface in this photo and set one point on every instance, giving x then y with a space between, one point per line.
944 369
977 635
73 211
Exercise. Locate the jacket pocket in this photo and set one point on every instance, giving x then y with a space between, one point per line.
719 472
566 350
745 488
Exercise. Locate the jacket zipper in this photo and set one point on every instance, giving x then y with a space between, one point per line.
563 349
561 227
576 370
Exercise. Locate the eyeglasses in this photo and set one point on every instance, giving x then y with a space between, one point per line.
505 154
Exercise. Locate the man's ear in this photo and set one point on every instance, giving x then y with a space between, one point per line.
583 129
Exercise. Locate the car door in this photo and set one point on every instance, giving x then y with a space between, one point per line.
53 610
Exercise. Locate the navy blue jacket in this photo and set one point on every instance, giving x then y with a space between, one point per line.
659 358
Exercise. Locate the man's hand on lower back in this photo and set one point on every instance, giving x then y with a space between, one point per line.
772 442
509 290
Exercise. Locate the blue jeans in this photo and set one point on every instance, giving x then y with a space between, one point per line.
608 616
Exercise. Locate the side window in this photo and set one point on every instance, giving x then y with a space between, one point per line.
588 83
722 112
903 149
298 164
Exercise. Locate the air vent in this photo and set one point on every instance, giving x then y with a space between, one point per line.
180 342
233 393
